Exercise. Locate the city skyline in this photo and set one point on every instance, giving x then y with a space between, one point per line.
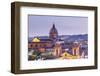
39 25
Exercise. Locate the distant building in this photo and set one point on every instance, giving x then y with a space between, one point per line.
57 49
53 34
46 43
76 49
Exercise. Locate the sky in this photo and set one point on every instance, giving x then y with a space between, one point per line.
40 25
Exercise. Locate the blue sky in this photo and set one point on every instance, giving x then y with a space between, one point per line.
39 25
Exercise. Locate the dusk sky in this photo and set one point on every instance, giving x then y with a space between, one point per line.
39 25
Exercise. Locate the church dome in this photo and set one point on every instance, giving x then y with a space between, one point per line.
53 32
53 29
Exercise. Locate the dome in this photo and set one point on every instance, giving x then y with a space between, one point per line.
36 40
53 34
53 29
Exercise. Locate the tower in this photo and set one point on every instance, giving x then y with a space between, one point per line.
57 50
53 34
76 48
